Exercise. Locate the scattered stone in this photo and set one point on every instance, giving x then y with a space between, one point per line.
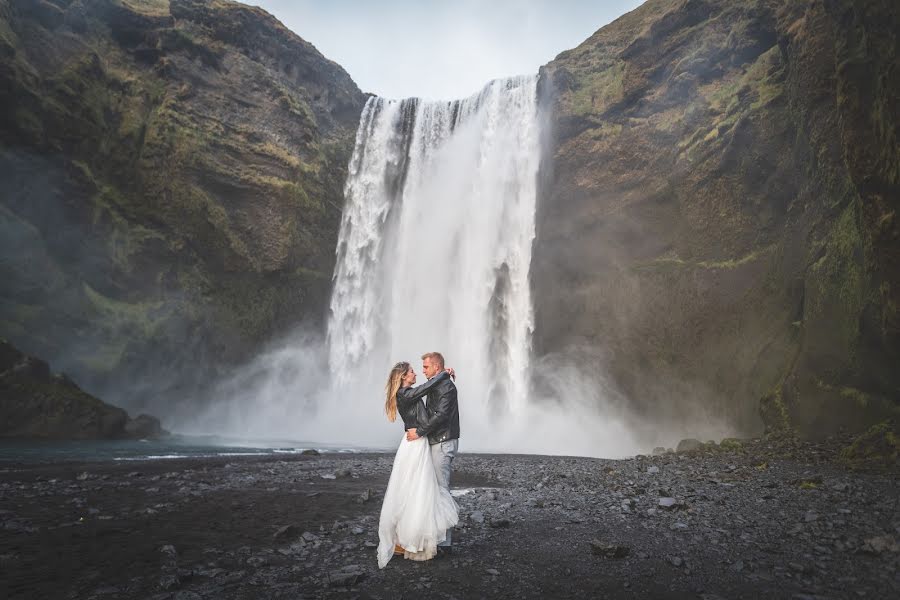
492 572
880 544
365 496
499 523
346 576
607 550
652 470
730 444
668 503
810 516
309 537
286 532
342 473
675 561
689 445
477 516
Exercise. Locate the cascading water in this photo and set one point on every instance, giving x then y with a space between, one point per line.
433 254
435 244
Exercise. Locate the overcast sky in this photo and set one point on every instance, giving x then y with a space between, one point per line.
442 49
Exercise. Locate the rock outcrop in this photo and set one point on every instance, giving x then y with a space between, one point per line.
718 211
35 403
171 182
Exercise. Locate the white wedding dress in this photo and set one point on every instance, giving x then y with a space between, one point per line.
417 511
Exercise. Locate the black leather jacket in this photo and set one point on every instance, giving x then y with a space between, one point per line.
443 413
410 409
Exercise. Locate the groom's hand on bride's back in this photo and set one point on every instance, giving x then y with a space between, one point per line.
411 435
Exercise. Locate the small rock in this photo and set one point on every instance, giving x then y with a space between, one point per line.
257 561
365 496
668 503
493 572
652 470
309 537
285 532
675 561
357 531
169 582
499 523
607 550
878 545
477 516
810 516
689 445
349 575
343 473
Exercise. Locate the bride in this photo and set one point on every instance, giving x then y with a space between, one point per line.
416 511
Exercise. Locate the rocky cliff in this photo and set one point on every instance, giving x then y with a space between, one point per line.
35 403
170 187
718 210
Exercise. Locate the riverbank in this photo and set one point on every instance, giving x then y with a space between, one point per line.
750 521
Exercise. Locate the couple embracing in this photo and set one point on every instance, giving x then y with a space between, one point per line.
418 510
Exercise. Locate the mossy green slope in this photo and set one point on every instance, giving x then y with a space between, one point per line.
719 210
172 180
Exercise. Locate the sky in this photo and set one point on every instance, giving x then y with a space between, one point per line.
442 49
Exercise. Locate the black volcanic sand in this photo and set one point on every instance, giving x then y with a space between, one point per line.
744 524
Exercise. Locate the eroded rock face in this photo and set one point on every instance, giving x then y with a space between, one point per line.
171 182
35 403
718 211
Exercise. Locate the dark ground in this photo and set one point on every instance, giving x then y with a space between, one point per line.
745 524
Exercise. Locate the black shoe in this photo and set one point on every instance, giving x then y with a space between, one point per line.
444 551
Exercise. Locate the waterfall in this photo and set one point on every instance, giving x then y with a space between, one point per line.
435 245
433 254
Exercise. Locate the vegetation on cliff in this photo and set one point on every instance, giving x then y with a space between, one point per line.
172 180
719 210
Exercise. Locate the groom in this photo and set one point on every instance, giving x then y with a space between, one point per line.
442 426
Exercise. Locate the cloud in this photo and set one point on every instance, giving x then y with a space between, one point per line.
441 50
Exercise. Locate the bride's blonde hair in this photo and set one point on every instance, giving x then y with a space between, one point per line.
393 384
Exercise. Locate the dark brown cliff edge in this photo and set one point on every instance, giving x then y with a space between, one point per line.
171 177
718 211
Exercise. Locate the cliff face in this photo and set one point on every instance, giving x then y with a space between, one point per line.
718 210
171 177
34 403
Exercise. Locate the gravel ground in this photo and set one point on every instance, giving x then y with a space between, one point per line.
766 519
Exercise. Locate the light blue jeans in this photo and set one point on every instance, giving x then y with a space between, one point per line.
442 455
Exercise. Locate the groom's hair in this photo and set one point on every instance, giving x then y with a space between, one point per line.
436 357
